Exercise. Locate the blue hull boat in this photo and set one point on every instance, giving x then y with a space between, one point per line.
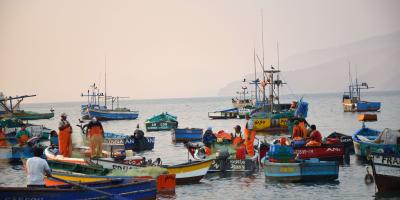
364 106
364 139
308 170
117 188
187 134
112 114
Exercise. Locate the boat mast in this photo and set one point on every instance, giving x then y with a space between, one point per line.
255 75
263 63
105 81
277 49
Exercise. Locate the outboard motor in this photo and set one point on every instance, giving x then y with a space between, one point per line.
222 159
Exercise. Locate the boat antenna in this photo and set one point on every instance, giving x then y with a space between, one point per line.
277 51
105 80
255 74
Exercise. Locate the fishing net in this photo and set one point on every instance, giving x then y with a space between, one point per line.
140 171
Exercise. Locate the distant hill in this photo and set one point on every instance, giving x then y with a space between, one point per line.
375 60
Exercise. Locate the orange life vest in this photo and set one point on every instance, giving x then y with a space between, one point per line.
95 130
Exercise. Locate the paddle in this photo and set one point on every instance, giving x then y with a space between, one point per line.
113 196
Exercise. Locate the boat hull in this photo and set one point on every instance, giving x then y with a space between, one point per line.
128 188
386 171
282 171
186 173
186 135
247 166
161 126
325 152
112 115
304 171
362 106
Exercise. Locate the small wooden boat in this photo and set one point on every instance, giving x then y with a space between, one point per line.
370 139
161 122
224 114
186 173
187 134
352 99
280 164
386 172
127 188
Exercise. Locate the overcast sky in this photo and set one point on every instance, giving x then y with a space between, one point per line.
167 49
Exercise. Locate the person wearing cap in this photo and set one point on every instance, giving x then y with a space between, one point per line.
95 134
249 135
65 136
3 141
37 168
23 136
209 139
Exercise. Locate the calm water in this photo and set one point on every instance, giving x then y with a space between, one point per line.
325 111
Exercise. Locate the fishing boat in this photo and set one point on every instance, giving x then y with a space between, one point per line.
11 109
161 122
187 134
280 164
102 112
140 189
352 99
386 172
366 139
271 118
231 113
186 173
242 101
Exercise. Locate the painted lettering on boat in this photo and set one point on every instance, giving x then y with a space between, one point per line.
389 160
238 164
304 151
333 149
121 167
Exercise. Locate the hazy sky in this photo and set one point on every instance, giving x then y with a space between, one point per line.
166 49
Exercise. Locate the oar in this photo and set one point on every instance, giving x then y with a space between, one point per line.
113 196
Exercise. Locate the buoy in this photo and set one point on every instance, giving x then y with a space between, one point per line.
368 179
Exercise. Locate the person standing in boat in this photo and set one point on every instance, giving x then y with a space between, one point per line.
315 138
37 168
65 136
96 136
3 140
249 135
23 136
209 139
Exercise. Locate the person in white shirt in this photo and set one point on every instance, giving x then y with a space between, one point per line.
37 168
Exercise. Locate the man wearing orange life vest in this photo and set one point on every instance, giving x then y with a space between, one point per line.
95 135
65 136
3 141
315 138
299 131
249 136
23 136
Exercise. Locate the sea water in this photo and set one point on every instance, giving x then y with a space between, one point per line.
325 111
